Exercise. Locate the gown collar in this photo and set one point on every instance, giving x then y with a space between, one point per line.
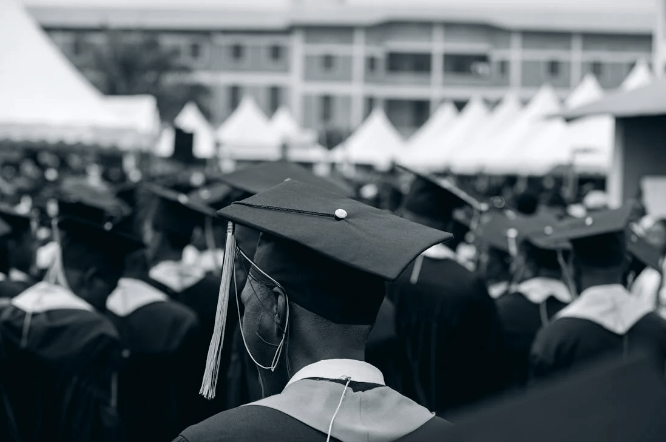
539 289
132 294
358 371
610 306
43 297
177 275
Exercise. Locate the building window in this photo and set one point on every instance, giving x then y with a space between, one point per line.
276 53
234 97
503 68
77 45
372 64
275 98
369 105
409 62
195 50
554 68
328 62
477 65
597 69
237 52
326 108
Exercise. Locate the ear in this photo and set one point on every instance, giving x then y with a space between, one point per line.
280 310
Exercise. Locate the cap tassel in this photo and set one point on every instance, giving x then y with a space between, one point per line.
209 383
210 242
566 275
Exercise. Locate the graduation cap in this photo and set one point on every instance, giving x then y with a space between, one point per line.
614 401
255 179
315 244
435 199
213 195
5 228
598 239
103 237
96 204
16 221
176 212
642 250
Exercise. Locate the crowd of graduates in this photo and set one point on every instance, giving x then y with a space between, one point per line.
110 293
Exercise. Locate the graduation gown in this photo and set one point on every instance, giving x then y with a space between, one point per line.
62 359
158 385
448 330
604 321
304 410
195 288
530 306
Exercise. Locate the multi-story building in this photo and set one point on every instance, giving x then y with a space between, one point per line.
332 64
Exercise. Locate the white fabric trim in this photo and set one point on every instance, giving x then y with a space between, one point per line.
358 371
19 276
177 275
537 290
440 251
610 306
132 294
47 254
498 289
2 277
44 297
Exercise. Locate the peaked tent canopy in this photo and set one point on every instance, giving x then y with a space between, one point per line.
190 119
508 143
436 125
285 124
438 151
248 135
139 112
641 75
469 159
376 142
45 98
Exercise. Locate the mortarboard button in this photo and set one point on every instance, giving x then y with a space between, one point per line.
340 214
548 230
183 199
589 221
108 226
205 194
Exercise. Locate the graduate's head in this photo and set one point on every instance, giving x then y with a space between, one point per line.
599 246
317 279
432 201
93 258
20 243
655 234
170 221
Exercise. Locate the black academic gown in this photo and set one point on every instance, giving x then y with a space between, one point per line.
158 388
604 321
449 334
522 313
200 293
305 409
60 375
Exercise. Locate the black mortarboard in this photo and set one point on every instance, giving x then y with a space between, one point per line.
614 401
317 244
435 199
176 212
642 250
103 237
255 179
83 201
597 240
215 195
18 222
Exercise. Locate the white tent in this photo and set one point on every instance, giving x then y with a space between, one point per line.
502 158
165 144
190 119
436 126
640 75
469 159
139 113
302 146
44 97
376 142
439 151
248 135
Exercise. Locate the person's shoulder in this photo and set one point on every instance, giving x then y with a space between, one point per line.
431 430
654 322
174 311
250 423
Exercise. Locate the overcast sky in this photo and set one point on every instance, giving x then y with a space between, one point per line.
642 5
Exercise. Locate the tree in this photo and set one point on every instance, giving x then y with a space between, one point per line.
133 63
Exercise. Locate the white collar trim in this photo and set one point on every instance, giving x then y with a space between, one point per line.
498 289
537 290
177 275
358 371
17 275
132 294
44 296
610 306
440 251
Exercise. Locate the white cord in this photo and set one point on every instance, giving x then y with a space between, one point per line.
330 426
